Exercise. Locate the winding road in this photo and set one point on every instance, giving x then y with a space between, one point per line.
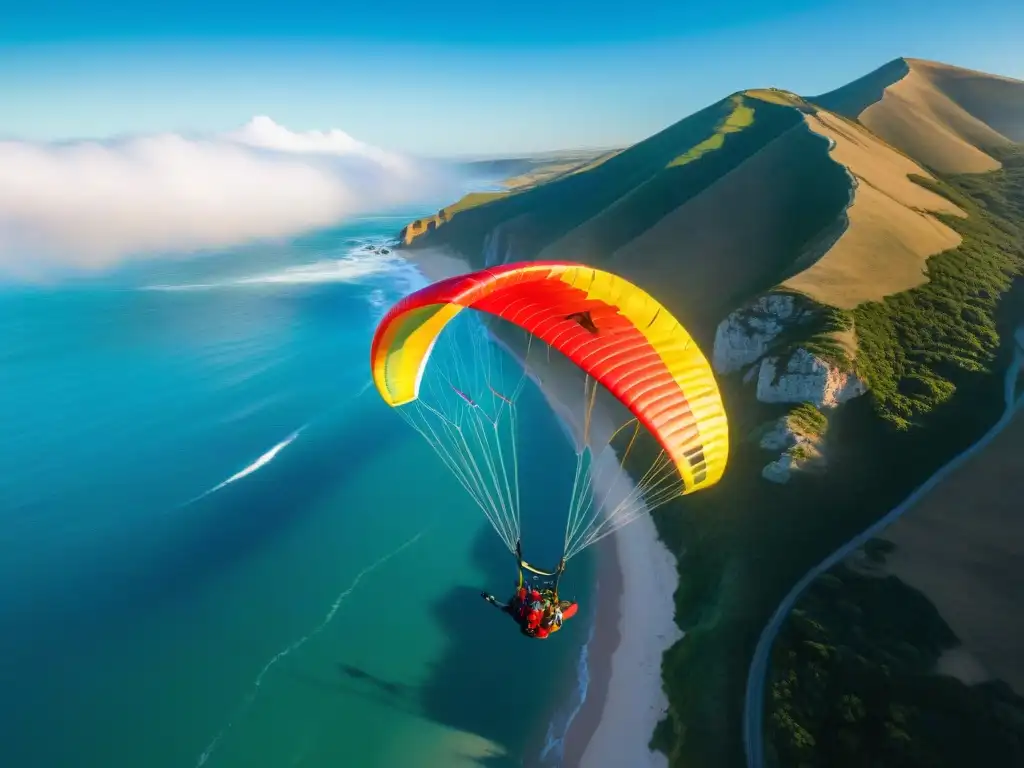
753 714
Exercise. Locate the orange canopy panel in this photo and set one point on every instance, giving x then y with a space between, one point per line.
613 330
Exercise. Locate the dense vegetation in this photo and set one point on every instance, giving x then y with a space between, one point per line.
854 685
910 343
808 420
743 544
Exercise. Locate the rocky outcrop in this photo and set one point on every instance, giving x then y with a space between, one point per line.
779 471
800 441
747 338
806 379
411 231
419 227
779 436
746 334
765 338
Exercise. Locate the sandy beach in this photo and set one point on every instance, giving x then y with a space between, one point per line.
634 700
637 580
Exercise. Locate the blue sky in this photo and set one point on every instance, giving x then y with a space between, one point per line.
456 77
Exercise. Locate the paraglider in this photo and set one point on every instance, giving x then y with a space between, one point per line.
538 612
618 337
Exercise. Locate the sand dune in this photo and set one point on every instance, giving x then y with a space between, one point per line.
995 100
942 116
889 235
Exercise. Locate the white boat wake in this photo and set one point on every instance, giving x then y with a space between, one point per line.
258 680
352 268
261 462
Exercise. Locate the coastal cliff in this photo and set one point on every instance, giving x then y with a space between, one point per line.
849 292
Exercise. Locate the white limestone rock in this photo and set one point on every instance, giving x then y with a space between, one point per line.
744 340
780 470
802 450
779 436
807 379
744 336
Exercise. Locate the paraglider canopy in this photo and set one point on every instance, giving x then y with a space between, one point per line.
618 336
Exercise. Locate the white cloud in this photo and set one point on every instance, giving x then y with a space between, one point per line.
88 205
264 133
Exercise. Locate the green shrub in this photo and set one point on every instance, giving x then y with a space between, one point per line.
808 420
911 344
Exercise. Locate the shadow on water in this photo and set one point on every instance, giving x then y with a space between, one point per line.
489 679
481 684
173 553
473 686
369 688
386 686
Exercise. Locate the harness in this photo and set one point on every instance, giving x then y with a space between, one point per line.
556 574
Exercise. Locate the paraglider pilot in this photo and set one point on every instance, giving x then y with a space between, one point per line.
538 613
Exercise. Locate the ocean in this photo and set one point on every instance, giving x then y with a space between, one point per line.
218 546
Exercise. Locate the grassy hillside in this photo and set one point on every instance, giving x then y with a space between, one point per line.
656 210
539 163
539 216
759 164
566 201
676 181
521 174
545 172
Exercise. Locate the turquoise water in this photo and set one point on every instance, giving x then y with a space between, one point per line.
218 546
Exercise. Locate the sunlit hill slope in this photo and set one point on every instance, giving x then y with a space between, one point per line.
763 180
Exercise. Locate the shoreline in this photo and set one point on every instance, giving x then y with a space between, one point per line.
637 579
634 701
